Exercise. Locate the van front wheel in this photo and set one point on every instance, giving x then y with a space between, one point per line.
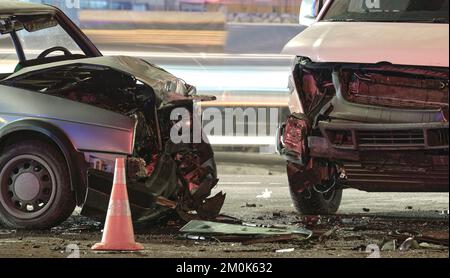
313 201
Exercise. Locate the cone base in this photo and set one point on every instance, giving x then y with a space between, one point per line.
117 247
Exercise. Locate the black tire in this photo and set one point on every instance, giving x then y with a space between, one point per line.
312 202
35 190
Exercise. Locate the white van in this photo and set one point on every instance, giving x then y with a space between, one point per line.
369 100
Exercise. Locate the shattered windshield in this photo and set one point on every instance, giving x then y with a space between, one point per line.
430 11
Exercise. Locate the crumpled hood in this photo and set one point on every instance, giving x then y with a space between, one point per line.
168 86
414 44
148 73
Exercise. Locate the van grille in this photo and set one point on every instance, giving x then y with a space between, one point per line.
391 138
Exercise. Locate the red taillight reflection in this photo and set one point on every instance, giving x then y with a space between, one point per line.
295 135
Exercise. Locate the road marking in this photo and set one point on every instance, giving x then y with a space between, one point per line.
219 103
239 183
261 24
242 140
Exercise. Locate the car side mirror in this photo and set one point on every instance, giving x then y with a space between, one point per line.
309 10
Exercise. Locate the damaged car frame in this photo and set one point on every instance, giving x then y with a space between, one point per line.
66 114
369 97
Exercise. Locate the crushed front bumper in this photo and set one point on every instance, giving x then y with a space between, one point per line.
380 157
343 140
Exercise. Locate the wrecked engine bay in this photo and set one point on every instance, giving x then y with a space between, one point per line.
163 177
376 127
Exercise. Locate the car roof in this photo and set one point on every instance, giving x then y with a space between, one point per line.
21 8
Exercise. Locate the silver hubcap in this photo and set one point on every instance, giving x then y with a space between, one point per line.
27 186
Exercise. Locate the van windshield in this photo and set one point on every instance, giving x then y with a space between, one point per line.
429 11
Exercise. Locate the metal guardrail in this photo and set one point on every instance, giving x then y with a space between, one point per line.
158 37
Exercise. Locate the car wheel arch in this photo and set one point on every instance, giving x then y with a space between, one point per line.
56 136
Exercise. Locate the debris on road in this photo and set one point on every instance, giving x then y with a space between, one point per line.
366 209
349 221
7 232
442 240
194 237
360 248
433 238
208 227
248 205
409 244
273 239
245 233
408 233
276 214
266 194
390 245
426 245
431 235
285 250
356 224
228 219
312 221
328 235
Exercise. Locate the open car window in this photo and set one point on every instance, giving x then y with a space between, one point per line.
8 56
36 42
34 39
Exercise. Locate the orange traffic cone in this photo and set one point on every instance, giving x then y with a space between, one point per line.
118 233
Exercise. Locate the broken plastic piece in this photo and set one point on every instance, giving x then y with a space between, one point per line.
389 246
408 244
285 250
214 228
266 194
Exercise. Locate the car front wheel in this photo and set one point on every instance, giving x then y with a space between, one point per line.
35 188
321 199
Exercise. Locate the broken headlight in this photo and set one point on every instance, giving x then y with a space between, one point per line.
180 87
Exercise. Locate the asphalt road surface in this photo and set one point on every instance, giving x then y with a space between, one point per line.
260 38
244 176
245 191
258 193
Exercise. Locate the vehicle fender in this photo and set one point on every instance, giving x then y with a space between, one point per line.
76 163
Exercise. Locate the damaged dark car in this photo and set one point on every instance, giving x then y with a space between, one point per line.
66 114
369 102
